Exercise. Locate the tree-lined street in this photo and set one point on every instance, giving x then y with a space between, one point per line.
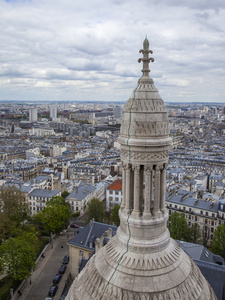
47 267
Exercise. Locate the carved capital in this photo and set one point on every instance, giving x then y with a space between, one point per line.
136 169
158 167
148 169
127 167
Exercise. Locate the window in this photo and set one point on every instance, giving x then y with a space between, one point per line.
116 199
201 212
212 229
206 213
183 207
196 218
110 198
116 192
213 215
206 221
189 209
189 217
111 192
189 224
175 206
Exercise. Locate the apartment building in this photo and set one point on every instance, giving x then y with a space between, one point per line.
114 194
39 197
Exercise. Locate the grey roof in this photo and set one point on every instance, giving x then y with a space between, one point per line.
211 266
89 233
199 252
191 202
44 193
215 275
81 192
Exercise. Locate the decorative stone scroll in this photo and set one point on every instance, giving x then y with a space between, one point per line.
144 157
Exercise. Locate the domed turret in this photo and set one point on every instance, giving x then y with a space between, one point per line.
142 261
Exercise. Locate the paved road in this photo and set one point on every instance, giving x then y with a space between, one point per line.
41 279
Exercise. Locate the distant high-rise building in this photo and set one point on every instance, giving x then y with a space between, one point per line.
53 112
206 109
214 109
33 114
223 110
118 112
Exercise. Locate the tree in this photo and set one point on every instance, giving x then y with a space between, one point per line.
65 194
115 215
218 241
13 210
18 254
54 217
195 233
96 210
178 227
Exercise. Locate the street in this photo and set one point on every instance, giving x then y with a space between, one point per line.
38 285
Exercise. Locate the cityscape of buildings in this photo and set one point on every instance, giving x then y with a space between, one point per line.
48 149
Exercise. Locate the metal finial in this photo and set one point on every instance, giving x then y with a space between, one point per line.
146 59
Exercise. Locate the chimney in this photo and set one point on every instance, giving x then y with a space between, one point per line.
99 243
108 233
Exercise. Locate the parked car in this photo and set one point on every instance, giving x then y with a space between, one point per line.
53 290
74 225
62 269
57 278
48 298
66 259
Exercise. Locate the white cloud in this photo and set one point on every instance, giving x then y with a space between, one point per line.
51 48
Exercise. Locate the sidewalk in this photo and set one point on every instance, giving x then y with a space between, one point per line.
27 286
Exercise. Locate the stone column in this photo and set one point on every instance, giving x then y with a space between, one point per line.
123 203
148 191
128 188
157 191
162 188
141 201
136 210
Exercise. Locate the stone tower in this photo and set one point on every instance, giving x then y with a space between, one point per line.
142 262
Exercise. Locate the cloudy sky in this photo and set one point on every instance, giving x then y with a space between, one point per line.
88 50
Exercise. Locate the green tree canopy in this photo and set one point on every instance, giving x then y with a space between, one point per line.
18 254
115 215
178 227
195 233
218 241
13 210
96 210
65 194
54 217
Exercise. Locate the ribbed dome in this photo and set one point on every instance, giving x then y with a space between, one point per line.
142 261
